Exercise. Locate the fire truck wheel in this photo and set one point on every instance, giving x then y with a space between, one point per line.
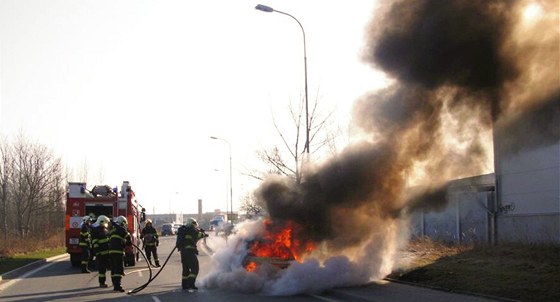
75 259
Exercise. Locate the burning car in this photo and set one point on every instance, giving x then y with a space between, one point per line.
279 246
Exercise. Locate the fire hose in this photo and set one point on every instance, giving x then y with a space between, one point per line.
150 279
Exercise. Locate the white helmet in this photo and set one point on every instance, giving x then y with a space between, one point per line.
121 220
85 219
191 221
102 219
148 221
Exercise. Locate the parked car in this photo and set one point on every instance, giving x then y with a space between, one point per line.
168 230
217 222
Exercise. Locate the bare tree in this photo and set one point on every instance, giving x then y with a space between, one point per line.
36 187
101 175
250 207
83 172
6 167
288 157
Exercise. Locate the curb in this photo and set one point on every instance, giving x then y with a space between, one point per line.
18 271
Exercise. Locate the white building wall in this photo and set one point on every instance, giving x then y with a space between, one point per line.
528 184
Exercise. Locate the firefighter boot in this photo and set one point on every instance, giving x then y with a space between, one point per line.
157 263
190 284
102 281
117 284
150 262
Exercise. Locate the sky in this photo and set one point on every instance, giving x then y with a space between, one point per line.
133 90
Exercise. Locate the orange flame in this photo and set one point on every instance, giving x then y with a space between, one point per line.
251 266
279 243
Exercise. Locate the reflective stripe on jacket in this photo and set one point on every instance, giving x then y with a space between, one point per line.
187 237
119 237
85 235
100 239
149 236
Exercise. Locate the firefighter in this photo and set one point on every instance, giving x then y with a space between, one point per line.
120 237
85 243
150 239
187 237
100 241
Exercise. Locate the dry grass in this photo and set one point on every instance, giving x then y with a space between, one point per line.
15 245
522 272
16 252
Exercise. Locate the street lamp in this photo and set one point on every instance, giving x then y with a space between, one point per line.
269 9
217 170
230 182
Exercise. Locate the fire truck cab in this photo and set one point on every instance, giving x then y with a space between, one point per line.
101 200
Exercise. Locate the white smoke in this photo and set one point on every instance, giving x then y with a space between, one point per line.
319 271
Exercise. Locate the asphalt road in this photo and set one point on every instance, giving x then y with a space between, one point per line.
57 280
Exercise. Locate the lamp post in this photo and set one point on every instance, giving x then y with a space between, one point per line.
217 170
269 9
230 182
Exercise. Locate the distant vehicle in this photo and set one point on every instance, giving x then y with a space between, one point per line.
217 222
167 229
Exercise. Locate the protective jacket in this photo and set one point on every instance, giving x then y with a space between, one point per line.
85 235
119 238
150 236
187 237
100 239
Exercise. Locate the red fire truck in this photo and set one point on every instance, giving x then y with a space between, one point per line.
101 200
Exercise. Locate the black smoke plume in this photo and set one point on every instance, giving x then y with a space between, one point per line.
459 68
468 76
535 127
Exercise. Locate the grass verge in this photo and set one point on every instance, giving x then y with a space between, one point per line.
17 252
520 272
18 260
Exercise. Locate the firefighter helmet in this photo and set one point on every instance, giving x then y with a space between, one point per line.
86 219
121 220
148 221
102 219
191 221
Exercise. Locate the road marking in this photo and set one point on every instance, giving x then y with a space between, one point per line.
156 299
139 271
49 262
324 298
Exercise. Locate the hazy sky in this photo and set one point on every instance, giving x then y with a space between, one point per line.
136 88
